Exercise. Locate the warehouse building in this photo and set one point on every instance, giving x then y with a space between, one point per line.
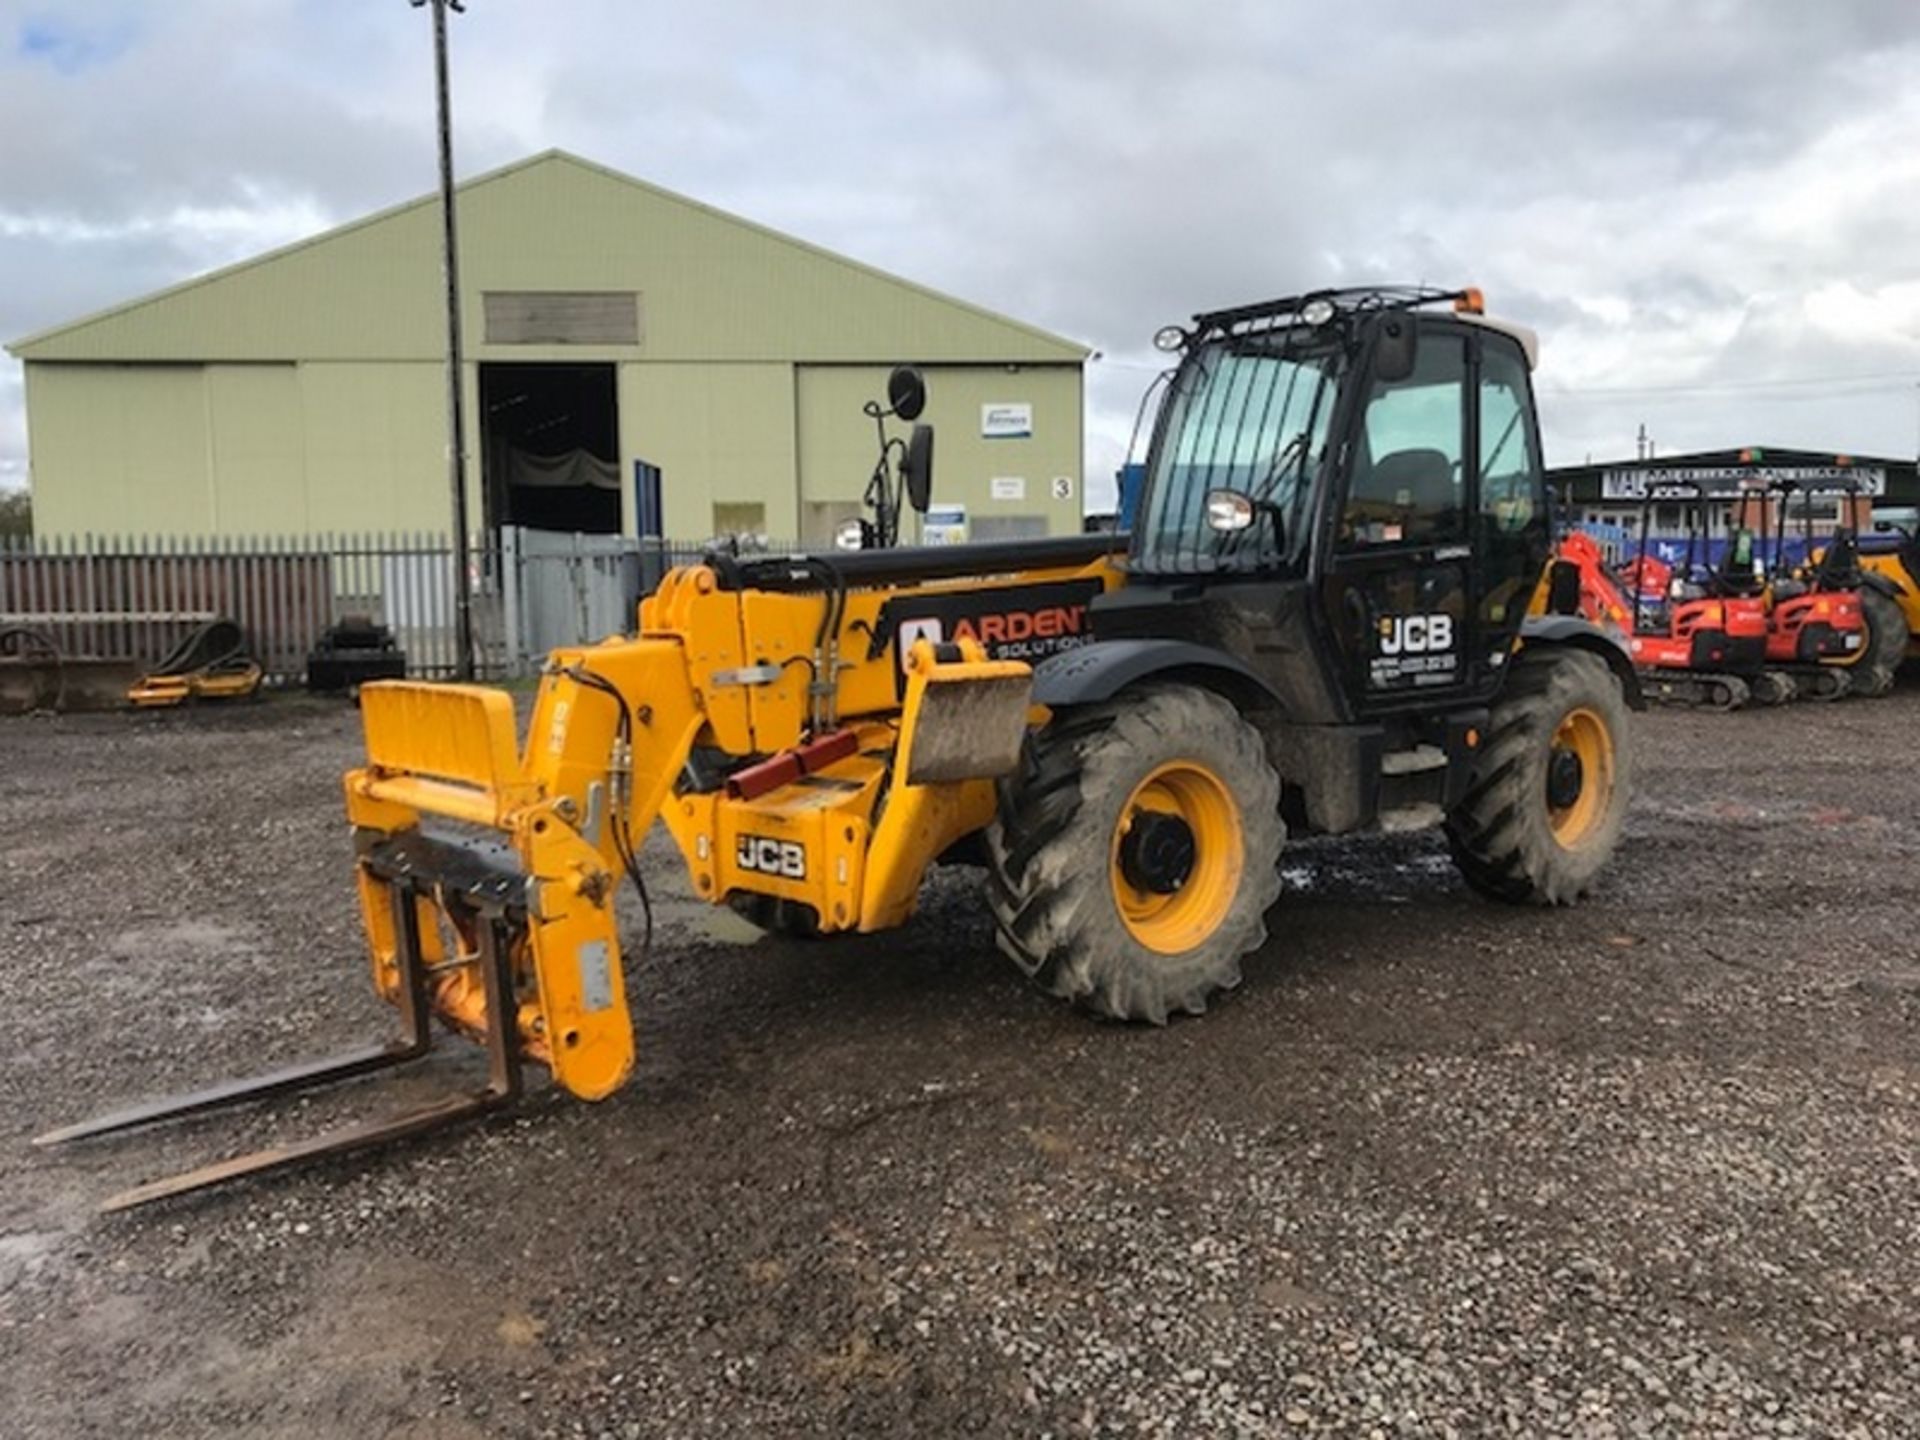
637 363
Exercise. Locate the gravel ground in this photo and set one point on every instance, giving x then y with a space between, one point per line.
1643 1167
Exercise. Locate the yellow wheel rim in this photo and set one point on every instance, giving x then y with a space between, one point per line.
1174 886
1579 776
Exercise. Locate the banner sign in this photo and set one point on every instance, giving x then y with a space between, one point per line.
1726 482
944 524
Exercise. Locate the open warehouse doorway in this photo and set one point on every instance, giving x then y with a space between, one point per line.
551 446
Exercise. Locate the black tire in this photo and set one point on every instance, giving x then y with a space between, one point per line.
1879 663
1051 878
1502 833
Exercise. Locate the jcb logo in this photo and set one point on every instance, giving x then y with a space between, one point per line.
785 858
1415 634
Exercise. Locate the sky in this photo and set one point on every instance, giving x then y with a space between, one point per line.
1709 210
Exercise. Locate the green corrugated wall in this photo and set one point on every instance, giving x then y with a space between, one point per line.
304 391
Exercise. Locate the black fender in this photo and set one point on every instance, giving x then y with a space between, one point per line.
1585 635
1088 674
1885 584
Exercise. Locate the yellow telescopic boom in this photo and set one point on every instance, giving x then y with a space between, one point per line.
811 746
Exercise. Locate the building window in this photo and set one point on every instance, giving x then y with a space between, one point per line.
741 518
823 519
561 317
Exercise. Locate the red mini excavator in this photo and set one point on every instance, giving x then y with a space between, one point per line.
1834 568
1690 647
1815 628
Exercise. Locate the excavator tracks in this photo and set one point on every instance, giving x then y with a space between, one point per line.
1699 690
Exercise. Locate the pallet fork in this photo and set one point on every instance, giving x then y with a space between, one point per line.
503 1061
510 942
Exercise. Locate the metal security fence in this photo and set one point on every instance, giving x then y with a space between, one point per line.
560 588
135 598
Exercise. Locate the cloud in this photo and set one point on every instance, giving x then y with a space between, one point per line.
1687 199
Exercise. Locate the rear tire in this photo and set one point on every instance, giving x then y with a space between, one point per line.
1543 813
1874 672
1089 907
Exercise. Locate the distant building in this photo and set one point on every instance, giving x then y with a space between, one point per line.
637 362
1613 494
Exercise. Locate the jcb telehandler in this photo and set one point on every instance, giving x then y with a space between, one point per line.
1337 610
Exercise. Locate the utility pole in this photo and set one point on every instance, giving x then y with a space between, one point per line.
456 367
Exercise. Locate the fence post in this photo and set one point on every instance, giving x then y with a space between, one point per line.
513 642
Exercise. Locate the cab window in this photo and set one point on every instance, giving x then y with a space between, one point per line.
1408 485
1510 476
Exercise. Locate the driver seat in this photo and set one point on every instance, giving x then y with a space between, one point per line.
1420 484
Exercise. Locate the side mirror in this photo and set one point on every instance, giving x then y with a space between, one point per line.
1231 511
906 394
1228 511
1394 348
1883 527
916 468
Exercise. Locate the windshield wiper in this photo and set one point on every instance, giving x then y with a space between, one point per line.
1294 450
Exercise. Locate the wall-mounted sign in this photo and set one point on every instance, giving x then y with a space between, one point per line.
1009 487
1006 420
1726 482
1062 487
944 524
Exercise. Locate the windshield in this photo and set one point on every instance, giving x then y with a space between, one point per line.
1246 413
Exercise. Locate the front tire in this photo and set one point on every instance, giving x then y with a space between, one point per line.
1132 865
1543 812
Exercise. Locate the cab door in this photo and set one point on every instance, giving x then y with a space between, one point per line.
1441 528
1399 578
